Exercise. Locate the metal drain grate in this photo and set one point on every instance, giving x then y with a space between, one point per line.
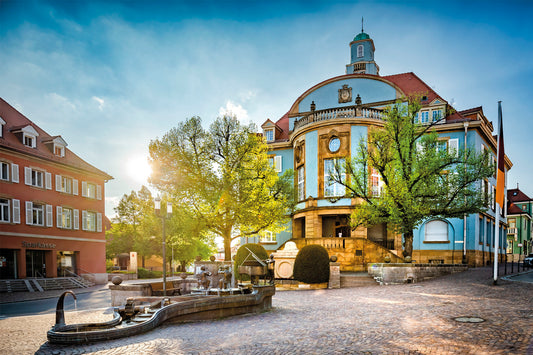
469 319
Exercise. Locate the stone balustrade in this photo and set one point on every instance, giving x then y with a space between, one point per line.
350 112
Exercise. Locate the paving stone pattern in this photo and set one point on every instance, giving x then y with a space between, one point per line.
400 319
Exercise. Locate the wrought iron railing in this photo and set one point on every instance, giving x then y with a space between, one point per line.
339 113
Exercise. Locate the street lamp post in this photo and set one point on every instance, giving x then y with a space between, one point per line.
164 217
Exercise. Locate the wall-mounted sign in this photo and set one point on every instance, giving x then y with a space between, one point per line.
38 245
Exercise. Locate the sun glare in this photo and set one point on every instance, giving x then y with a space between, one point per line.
139 169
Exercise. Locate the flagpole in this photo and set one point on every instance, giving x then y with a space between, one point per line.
500 187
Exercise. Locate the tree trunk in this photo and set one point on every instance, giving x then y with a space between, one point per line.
408 244
227 247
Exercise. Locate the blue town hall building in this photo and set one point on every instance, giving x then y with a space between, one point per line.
326 123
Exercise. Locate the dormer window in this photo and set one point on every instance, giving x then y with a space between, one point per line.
269 135
28 135
59 150
29 141
56 145
2 123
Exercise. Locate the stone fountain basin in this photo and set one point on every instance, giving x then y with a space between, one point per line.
180 309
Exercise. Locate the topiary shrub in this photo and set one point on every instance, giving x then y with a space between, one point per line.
242 253
312 265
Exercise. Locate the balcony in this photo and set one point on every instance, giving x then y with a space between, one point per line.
511 231
350 112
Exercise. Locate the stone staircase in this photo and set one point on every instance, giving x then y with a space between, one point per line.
44 284
356 279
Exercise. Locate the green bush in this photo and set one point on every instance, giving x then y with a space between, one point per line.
312 265
242 253
148 274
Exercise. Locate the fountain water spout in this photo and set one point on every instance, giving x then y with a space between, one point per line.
60 313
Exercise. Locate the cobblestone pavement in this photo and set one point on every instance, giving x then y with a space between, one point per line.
402 319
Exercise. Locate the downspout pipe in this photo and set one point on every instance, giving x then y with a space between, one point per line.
464 216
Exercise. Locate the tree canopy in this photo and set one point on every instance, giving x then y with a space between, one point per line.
137 228
421 175
224 176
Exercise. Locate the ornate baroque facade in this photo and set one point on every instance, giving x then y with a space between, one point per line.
326 123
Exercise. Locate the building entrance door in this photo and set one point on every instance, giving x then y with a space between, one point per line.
66 263
35 263
8 264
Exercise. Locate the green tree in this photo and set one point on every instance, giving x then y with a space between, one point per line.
421 178
134 227
223 174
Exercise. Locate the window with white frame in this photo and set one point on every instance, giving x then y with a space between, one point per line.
425 116
376 182
37 178
91 190
64 218
360 51
63 184
267 237
29 140
2 123
37 214
301 183
277 163
91 221
4 171
4 210
59 150
332 188
437 115
436 231
269 135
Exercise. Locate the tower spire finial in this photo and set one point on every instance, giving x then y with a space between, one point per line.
362 26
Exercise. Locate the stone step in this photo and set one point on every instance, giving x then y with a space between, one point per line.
357 280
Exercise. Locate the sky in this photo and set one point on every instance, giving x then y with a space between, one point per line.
110 76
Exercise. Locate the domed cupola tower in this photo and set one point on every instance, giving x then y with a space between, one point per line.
362 56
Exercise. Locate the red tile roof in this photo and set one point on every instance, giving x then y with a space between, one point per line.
515 195
283 123
15 121
514 209
411 84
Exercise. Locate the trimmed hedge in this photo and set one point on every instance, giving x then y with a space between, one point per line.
148 274
242 253
312 265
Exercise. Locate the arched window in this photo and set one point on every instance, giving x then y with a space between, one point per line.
360 51
436 231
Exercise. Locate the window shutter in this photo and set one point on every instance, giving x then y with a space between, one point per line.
277 163
29 212
48 180
49 216
98 192
58 182
15 173
98 222
453 146
27 175
59 215
84 188
16 211
76 219
74 186
84 220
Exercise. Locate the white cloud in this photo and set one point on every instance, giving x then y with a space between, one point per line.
234 109
61 101
100 102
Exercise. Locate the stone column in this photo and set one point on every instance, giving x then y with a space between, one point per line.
334 275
